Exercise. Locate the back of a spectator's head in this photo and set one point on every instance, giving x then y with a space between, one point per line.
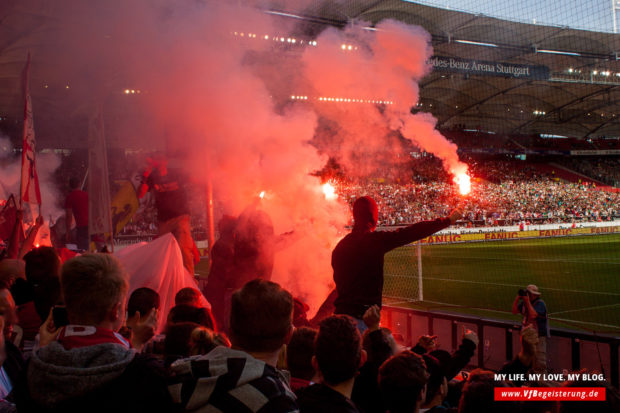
226 225
177 341
365 213
402 381
478 394
188 296
338 349
437 378
7 309
187 313
299 352
41 264
201 341
93 285
142 301
379 353
11 269
261 316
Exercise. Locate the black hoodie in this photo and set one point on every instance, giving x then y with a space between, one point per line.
319 398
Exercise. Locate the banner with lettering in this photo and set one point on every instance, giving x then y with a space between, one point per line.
513 235
487 68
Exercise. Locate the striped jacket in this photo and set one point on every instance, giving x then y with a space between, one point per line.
226 380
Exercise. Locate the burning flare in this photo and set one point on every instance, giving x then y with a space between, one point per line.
329 191
464 182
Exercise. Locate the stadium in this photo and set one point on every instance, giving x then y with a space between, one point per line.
530 109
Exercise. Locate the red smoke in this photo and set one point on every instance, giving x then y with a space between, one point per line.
221 101
387 65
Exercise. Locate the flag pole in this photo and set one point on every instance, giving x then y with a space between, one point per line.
25 77
210 229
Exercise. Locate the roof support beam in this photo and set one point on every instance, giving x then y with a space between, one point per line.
480 102
559 108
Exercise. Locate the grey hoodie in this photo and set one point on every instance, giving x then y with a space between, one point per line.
99 378
56 374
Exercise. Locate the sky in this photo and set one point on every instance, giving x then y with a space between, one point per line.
580 14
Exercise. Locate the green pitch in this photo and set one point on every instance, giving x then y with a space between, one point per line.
579 278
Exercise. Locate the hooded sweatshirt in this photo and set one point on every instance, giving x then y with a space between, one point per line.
104 377
320 398
230 380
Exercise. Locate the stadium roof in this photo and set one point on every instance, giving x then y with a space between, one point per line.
579 98
579 94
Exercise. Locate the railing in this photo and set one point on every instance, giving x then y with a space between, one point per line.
499 341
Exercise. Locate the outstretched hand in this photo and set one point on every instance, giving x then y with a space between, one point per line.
144 329
471 336
48 332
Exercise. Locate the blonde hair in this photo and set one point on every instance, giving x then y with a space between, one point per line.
202 341
91 285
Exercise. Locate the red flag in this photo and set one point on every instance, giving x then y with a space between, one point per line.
30 180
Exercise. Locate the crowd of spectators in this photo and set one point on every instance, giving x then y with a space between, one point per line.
606 170
503 193
107 355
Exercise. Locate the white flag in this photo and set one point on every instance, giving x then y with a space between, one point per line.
100 221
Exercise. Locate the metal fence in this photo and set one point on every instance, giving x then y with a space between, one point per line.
499 341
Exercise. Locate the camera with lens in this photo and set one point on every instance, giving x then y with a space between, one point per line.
522 292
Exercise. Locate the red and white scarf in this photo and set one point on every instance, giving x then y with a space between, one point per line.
76 336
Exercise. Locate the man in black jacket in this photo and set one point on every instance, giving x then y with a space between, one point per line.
338 355
357 260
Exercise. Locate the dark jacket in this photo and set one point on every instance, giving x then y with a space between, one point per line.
99 378
14 364
357 261
319 398
230 380
366 394
457 361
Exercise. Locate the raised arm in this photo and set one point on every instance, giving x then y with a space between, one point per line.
412 233
32 235
144 186
515 305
